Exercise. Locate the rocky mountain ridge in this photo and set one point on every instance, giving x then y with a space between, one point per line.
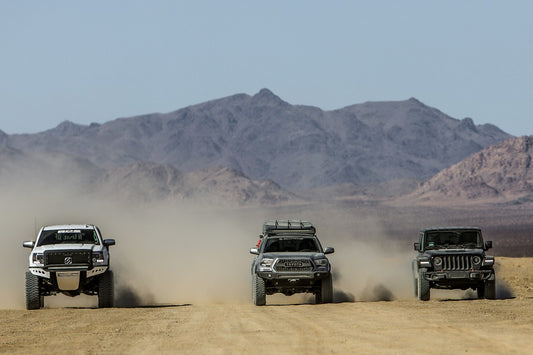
298 147
500 172
46 173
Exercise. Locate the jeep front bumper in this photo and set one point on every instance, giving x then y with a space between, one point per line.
458 275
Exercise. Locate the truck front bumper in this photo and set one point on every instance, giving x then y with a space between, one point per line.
304 276
46 272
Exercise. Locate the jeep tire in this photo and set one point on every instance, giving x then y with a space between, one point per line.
490 289
481 291
423 287
105 290
258 290
34 300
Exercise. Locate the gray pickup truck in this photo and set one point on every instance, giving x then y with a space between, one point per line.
453 258
290 259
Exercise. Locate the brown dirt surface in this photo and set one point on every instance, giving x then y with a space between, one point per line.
448 323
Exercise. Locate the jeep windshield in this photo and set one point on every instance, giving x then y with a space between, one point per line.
447 239
291 244
68 236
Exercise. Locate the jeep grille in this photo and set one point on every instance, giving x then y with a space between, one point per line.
457 262
67 258
293 265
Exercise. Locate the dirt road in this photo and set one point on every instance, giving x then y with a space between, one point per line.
446 324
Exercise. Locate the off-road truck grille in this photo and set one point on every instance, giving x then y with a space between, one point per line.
67 258
293 265
457 262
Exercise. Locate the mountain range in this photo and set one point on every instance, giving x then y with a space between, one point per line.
499 172
37 172
265 138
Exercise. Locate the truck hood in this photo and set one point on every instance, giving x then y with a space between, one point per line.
58 247
285 255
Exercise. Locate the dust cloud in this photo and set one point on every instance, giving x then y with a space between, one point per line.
166 253
172 253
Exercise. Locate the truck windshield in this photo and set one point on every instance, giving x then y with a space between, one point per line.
69 236
445 239
291 244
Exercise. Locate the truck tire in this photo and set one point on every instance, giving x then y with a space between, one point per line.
258 290
34 300
106 292
423 287
326 291
415 286
490 289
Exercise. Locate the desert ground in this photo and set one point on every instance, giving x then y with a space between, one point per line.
183 285
451 322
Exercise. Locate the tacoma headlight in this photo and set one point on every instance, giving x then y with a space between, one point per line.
437 261
321 262
38 259
266 264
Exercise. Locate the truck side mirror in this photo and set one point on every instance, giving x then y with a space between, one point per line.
329 250
488 244
417 246
254 251
28 244
109 242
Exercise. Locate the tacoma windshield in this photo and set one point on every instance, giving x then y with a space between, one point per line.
69 236
447 239
291 244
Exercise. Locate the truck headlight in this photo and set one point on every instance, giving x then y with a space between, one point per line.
98 258
266 264
476 260
38 259
321 262
437 261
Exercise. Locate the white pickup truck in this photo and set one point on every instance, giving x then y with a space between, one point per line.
69 259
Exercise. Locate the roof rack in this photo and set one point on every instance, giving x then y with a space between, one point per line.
288 225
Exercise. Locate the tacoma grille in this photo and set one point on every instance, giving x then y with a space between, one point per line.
293 265
457 262
67 258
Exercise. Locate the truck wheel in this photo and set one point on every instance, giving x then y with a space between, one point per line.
258 290
423 287
34 300
326 291
490 289
416 286
106 290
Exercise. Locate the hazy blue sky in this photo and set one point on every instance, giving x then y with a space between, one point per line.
94 61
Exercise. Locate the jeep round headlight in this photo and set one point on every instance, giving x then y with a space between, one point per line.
476 260
437 261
